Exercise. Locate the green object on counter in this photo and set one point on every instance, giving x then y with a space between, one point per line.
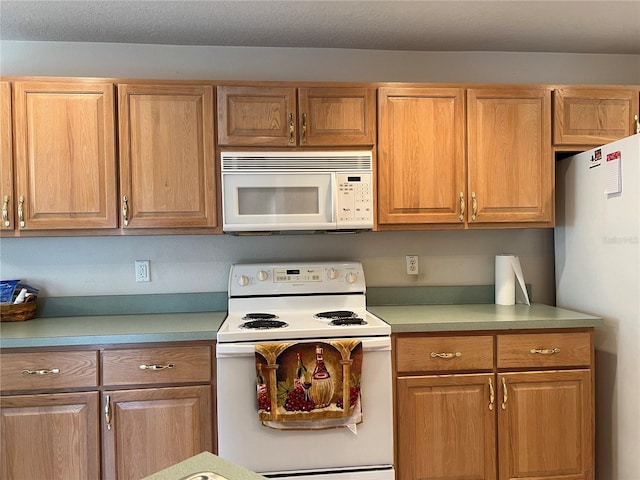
205 462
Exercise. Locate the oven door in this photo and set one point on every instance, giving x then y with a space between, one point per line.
242 439
254 201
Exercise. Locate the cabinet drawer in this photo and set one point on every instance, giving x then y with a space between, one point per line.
156 365
418 354
48 370
544 350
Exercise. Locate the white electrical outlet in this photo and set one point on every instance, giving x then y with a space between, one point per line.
412 264
143 271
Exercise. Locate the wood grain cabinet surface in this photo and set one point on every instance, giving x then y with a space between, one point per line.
65 159
588 117
167 163
286 116
517 415
9 205
152 406
456 158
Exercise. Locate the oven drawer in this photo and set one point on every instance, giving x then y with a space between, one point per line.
544 350
142 366
421 354
48 370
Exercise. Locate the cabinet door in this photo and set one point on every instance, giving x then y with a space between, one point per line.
152 429
446 427
65 155
257 116
337 116
510 163
6 158
167 174
593 117
545 425
50 436
421 159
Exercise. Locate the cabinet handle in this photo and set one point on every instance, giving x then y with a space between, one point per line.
21 211
292 129
545 351
107 412
157 367
125 210
637 124
505 395
492 394
445 355
461 217
474 206
304 128
5 211
53 371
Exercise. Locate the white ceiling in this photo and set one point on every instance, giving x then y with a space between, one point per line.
480 25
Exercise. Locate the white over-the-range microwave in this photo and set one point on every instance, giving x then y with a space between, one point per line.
287 192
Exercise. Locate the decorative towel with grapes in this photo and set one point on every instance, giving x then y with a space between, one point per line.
309 385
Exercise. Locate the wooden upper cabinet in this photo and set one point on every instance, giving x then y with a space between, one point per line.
421 156
511 166
65 155
337 116
167 166
289 117
592 117
6 158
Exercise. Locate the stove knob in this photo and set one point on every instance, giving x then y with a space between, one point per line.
243 280
262 275
333 273
352 277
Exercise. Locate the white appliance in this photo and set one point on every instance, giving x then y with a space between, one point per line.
597 251
306 302
297 191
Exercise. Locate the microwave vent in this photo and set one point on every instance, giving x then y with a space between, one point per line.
296 161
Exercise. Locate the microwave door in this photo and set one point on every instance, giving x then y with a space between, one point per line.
278 201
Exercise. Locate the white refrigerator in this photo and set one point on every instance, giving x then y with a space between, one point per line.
597 268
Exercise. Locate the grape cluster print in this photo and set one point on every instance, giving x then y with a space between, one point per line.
354 392
297 400
264 402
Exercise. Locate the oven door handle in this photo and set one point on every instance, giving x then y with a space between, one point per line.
227 350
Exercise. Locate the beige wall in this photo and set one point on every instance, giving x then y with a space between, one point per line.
104 265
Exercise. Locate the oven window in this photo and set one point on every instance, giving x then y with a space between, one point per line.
278 200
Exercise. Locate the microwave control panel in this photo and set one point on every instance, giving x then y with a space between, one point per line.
354 199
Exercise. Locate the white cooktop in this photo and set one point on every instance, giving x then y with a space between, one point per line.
295 293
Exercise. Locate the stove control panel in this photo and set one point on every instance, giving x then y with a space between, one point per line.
296 278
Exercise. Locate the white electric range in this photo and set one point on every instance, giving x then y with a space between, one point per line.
306 302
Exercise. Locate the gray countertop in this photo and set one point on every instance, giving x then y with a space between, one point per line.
171 327
443 318
205 462
111 329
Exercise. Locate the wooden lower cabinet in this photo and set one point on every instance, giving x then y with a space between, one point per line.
535 422
110 413
52 436
445 428
153 428
545 429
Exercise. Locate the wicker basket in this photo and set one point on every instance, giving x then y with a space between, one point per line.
17 312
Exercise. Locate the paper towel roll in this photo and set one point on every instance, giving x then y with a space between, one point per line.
508 275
